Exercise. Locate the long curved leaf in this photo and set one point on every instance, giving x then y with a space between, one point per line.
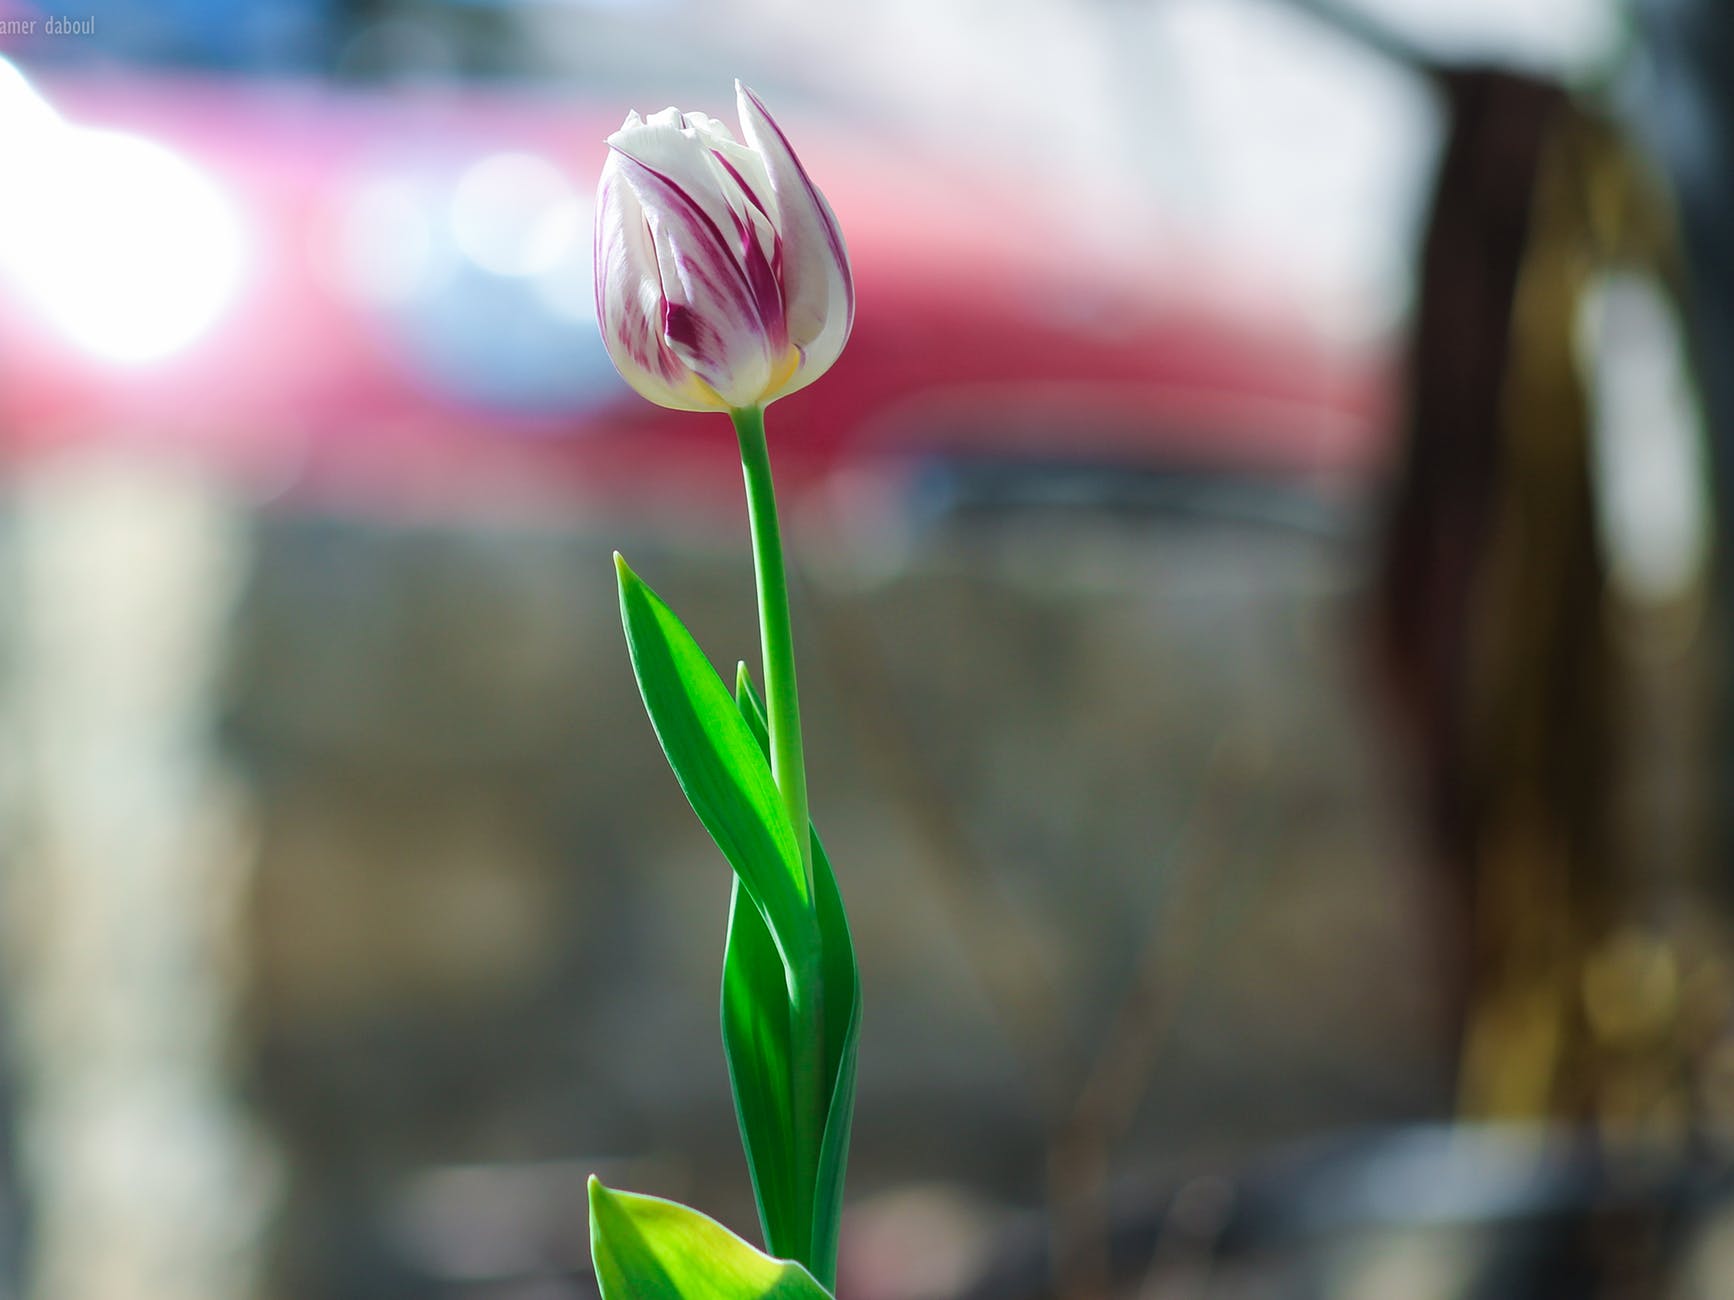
799 1192
756 1027
720 766
842 1032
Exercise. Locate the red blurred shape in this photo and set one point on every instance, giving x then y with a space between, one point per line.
988 324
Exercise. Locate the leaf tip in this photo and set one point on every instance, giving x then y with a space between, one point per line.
603 1205
621 568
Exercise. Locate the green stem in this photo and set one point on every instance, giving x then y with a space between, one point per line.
782 701
788 768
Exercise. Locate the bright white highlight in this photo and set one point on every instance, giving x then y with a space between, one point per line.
515 214
387 251
1649 444
125 247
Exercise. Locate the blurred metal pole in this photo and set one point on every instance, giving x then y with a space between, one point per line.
120 886
1683 101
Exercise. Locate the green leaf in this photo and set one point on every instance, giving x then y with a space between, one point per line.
799 1193
646 1248
720 766
756 1031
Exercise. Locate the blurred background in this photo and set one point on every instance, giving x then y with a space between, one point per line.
1258 593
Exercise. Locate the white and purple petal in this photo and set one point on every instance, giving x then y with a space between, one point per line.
818 287
714 309
629 300
697 156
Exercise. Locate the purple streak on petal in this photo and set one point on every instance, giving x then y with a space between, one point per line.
833 236
697 218
685 328
628 326
650 345
746 189
753 258
691 218
762 278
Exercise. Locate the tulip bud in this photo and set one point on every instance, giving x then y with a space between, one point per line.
722 282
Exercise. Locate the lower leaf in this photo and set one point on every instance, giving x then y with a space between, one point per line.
646 1248
799 1192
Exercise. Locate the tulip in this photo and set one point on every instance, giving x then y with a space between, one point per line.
722 282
